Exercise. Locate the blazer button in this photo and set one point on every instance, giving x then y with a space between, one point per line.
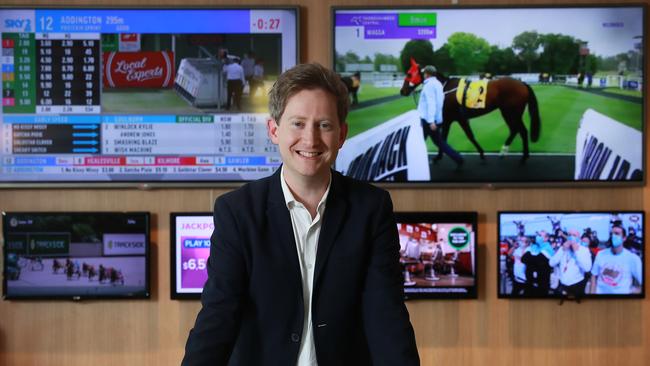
295 338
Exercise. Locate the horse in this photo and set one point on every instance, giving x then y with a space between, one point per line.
92 272
352 82
510 96
56 266
72 269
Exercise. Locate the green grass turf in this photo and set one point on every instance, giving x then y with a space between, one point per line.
369 92
561 109
633 93
366 118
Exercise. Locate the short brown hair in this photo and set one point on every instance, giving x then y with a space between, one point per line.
307 77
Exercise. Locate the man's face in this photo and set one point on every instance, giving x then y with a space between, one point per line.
309 135
618 231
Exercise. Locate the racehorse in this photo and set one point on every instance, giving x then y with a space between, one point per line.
72 269
352 83
92 272
56 266
510 96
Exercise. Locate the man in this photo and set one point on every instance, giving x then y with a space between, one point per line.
248 64
519 269
616 267
430 110
412 249
573 261
234 82
538 271
258 77
304 265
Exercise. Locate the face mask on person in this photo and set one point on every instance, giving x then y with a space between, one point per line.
539 240
572 238
617 240
534 249
584 243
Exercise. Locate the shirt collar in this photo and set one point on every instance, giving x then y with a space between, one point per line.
291 201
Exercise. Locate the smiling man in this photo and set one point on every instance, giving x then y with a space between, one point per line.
304 265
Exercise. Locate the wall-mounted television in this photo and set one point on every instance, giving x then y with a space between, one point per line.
532 95
438 254
190 249
75 255
140 96
559 254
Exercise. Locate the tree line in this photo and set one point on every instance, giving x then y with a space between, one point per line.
466 53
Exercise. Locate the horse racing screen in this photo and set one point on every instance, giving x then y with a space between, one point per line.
190 249
140 95
571 254
75 255
530 94
438 254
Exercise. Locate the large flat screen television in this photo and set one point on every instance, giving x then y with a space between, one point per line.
438 254
190 249
571 255
75 255
137 96
532 95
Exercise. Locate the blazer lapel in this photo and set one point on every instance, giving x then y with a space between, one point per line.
280 225
335 212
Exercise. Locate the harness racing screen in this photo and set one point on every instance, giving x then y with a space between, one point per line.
75 255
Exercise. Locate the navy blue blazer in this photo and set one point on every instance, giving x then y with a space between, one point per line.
252 303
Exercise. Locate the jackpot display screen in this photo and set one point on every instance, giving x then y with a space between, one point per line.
533 94
140 95
75 255
190 249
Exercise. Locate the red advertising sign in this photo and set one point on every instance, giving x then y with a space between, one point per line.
147 69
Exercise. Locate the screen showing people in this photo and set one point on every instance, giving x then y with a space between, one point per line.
489 95
132 95
190 238
76 255
572 255
438 254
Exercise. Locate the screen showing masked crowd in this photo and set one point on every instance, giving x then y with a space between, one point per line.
76 255
140 95
438 254
493 95
571 255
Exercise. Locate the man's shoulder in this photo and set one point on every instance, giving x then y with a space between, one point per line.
356 189
629 254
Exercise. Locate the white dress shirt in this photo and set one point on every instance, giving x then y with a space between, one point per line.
572 265
234 71
306 232
431 101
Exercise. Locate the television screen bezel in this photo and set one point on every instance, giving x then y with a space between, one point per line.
147 295
174 294
440 217
147 185
553 297
514 184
